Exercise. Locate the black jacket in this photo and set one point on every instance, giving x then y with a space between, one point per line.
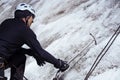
14 33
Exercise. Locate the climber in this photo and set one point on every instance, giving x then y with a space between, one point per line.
14 33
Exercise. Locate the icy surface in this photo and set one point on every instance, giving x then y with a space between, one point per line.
63 27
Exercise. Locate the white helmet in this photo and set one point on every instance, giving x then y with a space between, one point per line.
24 6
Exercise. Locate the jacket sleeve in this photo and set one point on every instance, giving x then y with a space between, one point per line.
32 42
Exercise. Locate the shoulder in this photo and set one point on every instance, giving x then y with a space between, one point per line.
6 22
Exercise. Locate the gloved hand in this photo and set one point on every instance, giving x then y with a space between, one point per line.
40 60
62 65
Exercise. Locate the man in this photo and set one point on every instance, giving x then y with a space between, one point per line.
13 34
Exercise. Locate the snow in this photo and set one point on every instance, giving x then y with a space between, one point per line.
108 75
63 28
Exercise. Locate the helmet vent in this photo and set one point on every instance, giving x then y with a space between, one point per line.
22 4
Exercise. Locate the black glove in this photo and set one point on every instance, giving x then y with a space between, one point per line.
62 65
40 60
